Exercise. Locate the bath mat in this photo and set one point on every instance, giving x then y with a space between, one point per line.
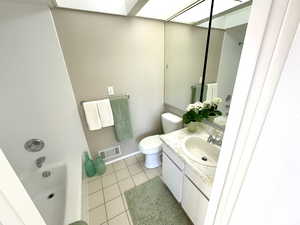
152 203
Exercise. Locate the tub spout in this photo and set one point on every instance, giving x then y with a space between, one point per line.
40 161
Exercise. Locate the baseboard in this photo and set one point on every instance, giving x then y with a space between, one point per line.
123 157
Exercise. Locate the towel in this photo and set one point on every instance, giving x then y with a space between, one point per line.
120 109
105 112
92 115
196 91
210 91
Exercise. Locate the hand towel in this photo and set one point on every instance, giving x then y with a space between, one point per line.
105 112
210 91
195 94
120 109
92 115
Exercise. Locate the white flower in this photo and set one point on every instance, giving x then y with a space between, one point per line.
198 105
206 103
216 101
190 107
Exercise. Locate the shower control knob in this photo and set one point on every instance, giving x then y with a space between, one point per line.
34 145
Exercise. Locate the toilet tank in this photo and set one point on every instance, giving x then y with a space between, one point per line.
170 122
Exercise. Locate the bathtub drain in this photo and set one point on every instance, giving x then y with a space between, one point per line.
51 196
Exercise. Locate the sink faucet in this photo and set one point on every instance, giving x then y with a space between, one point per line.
40 161
215 139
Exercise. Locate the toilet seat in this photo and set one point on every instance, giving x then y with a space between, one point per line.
150 145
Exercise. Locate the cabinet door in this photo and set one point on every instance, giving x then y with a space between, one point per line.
193 202
172 176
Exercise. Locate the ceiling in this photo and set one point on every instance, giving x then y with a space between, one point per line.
182 11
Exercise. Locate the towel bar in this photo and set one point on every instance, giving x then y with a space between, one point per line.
92 100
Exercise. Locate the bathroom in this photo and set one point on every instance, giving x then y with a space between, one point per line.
159 57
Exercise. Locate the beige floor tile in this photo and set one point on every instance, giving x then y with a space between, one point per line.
139 178
129 217
114 207
126 184
142 164
125 202
109 169
140 157
97 216
151 173
135 168
111 192
120 220
131 160
95 185
96 199
122 174
109 180
119 165
90 179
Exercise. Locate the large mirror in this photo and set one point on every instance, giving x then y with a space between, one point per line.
232 23
198 68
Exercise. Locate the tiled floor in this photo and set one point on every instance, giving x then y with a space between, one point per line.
107 204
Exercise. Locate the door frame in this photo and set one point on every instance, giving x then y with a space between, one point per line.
271 29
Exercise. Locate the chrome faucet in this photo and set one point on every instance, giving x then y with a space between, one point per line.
40 161
215 139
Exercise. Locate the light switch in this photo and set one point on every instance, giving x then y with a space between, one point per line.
110 90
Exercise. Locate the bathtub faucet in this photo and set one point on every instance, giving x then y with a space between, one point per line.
40 161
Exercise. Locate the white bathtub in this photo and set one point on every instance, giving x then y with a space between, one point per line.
57 197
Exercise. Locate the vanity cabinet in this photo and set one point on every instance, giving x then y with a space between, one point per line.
172 176
193 202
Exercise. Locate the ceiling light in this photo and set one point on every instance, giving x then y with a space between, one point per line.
202 10
119 7
163 9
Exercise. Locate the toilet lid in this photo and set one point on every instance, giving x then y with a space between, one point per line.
150 144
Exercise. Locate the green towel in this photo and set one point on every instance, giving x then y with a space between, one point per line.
196 91
79 223
120 109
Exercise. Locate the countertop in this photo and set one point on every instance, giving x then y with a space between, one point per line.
174 141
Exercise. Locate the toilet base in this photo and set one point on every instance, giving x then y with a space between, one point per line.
152 160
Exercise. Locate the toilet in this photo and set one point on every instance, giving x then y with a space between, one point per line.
152 146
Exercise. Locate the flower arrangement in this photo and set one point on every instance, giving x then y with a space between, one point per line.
198 111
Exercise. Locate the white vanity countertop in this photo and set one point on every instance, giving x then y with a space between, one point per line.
174 141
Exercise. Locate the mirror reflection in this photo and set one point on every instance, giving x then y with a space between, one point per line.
185 53
233 25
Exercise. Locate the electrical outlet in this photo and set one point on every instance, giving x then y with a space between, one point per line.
110 90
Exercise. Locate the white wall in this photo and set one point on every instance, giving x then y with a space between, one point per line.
270 194
35 91
229 62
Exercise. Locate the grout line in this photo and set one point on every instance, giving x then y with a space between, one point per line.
115 216
127 214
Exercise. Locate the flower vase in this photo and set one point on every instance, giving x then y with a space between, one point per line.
212 118
192 126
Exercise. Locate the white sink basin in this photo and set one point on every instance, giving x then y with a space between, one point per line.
200 151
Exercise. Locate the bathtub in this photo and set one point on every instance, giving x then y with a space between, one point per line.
58 196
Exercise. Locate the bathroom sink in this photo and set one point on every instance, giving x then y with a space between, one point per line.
200 151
